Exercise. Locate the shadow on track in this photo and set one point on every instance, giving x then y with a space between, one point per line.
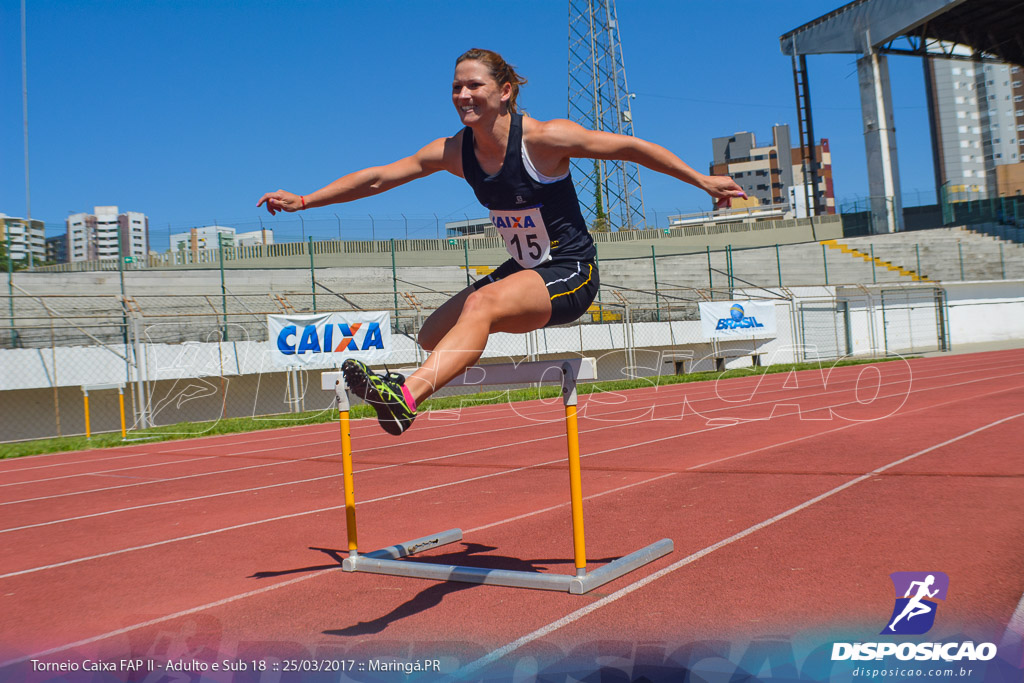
434 594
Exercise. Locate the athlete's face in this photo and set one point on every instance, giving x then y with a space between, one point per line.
475 93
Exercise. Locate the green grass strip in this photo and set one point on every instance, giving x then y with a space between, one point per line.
234 425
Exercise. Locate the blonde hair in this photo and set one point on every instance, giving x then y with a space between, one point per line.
500 70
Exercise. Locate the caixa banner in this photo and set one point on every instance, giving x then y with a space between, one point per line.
733 319
327 339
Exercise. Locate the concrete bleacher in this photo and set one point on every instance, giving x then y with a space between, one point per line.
176 303
941 252
810 263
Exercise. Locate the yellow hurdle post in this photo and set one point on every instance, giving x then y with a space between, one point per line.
341 397
120 401
576 490
575 477
85 399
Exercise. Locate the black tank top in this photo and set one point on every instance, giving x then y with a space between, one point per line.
525 210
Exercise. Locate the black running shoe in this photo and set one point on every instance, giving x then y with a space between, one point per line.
383 392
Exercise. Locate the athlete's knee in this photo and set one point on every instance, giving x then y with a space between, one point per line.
479 303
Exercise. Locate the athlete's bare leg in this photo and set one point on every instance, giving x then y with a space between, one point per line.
442 320
518 304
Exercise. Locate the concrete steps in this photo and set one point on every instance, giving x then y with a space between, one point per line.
875 261
946 254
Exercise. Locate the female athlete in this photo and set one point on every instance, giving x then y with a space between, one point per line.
519 169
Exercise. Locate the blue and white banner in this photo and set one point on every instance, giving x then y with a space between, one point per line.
327 339
737 319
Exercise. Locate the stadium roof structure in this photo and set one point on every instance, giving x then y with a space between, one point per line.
925 27
957 29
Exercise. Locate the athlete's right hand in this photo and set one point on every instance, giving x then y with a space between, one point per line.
281 201
722 189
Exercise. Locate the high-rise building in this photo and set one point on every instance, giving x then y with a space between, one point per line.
825 191
26 237
254 238
197 239
977 111
211 236
105 232
768 172
57 248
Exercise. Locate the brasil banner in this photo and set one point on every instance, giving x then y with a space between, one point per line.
736 319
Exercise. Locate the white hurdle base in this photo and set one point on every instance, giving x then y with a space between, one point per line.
387 561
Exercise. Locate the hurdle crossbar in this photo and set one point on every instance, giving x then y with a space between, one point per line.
389 560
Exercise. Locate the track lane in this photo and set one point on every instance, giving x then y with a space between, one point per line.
264 441
415 507
144 525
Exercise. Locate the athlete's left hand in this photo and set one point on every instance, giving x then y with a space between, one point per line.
722 188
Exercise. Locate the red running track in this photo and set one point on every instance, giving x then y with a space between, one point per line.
790 499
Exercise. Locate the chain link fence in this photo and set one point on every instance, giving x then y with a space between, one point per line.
185 358
190 346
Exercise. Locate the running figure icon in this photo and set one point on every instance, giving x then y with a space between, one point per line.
916 606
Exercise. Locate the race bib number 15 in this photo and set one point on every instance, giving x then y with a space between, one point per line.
526 236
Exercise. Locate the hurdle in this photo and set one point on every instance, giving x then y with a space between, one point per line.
389 561
86 388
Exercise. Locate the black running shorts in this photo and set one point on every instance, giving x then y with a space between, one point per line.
572 286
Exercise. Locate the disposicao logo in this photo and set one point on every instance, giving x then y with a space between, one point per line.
737 320
914 614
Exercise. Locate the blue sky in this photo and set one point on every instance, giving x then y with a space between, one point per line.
190 111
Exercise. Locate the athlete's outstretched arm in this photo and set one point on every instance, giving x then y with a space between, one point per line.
573 140
440 155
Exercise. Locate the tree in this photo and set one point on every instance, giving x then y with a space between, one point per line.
601 222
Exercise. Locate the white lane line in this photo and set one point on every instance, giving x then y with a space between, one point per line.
572 617
292 461
176 501
566 504
290 582
709 392
32 458
290 446
568 619
276 519
160 620
712 393
96 473
516 427
333 475
397 495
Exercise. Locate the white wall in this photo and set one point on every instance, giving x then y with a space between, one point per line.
985 311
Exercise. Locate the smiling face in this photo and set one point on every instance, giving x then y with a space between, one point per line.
476 94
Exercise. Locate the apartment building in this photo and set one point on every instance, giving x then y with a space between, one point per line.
27 238
105 233
767 172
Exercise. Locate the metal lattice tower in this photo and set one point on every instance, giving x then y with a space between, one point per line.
600 100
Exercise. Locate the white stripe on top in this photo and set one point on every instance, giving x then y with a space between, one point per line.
537 175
